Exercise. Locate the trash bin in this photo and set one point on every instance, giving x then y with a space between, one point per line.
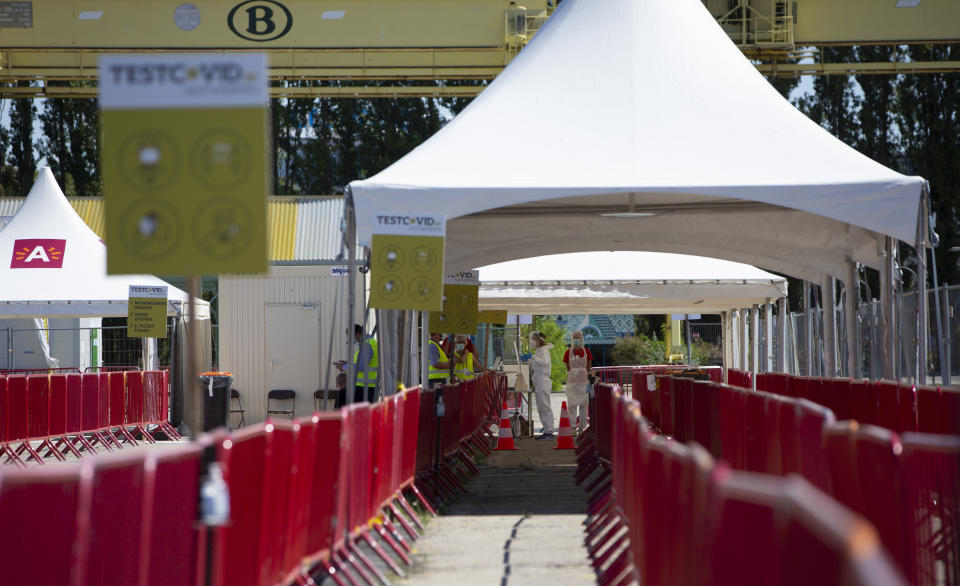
216 399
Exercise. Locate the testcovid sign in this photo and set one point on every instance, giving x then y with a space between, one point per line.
38 253
407 261
184 162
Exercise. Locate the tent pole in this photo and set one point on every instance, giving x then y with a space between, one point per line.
922 301
829 288
350 233
727 339
424 350
888 323
807 331
744 340
850 314
768 339
782 311
754 343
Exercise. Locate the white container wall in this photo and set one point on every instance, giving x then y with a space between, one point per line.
275 333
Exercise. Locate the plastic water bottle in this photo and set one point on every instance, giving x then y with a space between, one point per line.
441 408
214 498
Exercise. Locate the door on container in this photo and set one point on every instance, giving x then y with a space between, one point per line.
293 353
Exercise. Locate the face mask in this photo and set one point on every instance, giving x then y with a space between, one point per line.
460 347
577 342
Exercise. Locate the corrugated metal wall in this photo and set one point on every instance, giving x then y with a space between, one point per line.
242 332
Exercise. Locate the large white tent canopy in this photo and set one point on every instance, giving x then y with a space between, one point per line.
606 133
81 286
625 282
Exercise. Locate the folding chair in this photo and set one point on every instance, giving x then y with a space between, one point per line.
318 396
281 395
234 394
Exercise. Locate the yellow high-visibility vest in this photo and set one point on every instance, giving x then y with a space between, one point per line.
369 378
464 370
437 373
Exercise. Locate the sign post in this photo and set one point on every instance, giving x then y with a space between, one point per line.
184 155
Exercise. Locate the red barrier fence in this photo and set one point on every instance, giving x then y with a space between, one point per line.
895 406
667 514
861 466
51 415
302 495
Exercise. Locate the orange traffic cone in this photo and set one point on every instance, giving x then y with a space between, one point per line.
505 437
565 437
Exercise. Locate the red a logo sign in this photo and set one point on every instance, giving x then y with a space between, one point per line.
38 253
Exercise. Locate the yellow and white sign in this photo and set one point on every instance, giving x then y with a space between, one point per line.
461 292
185 162
147 312
407 261
492 316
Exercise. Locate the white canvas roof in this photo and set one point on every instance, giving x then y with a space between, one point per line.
29 287
605 112
625 282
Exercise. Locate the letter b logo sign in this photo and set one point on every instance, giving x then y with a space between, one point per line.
260 20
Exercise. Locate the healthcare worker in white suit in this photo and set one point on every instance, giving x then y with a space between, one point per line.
542 385
578 360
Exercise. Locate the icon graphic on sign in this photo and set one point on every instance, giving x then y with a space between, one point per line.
390 288
222 227
148 160
152 226
422 259
464 322
422 289
442 319
391 258
221 158
463 300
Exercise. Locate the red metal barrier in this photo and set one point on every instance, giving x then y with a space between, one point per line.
45 535
931 491
74 403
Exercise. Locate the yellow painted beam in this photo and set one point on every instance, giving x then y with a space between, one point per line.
880 68
276 92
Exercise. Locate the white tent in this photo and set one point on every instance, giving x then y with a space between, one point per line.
625 282
606 113
606 133
68 276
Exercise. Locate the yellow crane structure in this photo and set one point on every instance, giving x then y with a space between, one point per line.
385 47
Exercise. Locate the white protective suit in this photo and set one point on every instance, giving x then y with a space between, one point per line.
576 389
542 386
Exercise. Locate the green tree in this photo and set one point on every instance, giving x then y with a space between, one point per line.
71 142
23 161
555 335
928 120
636 350
834 102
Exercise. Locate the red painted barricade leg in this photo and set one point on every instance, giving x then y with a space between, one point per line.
358 561
12 457
402 520
398 546
395 533
426 504
144 434
344 561
31 454
405 505
468 463
383 554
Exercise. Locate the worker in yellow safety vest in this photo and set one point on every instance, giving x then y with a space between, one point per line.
439 363
366 363
463 359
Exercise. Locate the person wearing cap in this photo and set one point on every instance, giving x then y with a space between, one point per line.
578 360
542 385
366 365
439 363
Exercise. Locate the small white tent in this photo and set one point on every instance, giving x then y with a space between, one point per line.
625 282
53 265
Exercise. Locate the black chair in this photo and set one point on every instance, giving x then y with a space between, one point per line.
318 396
281 395
234 394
